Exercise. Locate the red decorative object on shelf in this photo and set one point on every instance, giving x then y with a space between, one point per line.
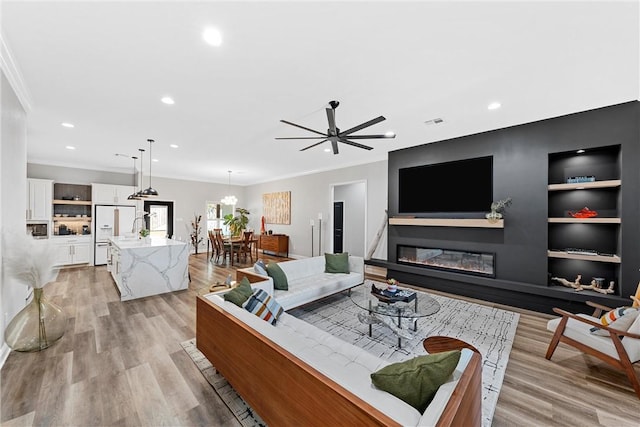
583 213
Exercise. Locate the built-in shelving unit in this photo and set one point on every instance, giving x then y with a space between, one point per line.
585 220
446 222
566 255
586 246
71 208
611 183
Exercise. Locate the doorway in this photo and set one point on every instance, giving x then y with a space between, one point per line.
338 227
159 222
350 220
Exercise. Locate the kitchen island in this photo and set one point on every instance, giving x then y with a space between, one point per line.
144 267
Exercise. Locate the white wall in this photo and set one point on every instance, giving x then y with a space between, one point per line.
312 194
13 195
190 198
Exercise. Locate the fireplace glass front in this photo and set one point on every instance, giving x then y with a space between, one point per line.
477 263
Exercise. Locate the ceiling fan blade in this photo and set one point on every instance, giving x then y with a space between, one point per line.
302 137
313 145
355 144
302 127
362 126
334 144
331 117
370 136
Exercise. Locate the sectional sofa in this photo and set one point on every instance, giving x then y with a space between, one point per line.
307 280
293 373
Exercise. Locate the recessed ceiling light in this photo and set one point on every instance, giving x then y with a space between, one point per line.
173 145
67 125
154 160
580 151
327 150
70 147
494 106
168 100
212 36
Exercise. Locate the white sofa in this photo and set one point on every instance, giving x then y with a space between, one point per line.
307 280
301 375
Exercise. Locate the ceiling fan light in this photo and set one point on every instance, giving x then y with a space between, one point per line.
390 134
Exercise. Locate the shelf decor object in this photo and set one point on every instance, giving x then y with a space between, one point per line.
496 208
41 323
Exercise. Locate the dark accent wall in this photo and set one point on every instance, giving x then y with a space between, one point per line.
520 161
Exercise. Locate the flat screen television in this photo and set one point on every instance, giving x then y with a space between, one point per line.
461 186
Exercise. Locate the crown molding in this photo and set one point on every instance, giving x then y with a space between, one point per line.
10 69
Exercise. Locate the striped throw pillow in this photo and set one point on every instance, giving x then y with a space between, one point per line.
620 318
264 306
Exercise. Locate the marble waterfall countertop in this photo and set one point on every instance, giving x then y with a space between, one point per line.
141 268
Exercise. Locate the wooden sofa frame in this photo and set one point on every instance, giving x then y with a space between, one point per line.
285 391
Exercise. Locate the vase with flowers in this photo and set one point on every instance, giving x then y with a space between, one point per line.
32 263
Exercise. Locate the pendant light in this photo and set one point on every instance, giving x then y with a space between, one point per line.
150 191
134 195
230 199
140 194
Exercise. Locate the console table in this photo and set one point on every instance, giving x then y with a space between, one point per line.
276 243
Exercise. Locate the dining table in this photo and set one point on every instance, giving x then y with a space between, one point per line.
235 243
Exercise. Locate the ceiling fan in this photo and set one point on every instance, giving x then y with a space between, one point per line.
334 134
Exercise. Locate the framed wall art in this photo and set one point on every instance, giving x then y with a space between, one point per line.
276 207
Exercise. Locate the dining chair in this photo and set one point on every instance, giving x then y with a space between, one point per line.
214 245
246 245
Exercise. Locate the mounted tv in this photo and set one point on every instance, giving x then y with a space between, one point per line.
458 187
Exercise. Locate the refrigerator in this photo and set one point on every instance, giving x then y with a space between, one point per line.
109 221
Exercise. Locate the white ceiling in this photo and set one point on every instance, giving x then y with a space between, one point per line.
104 66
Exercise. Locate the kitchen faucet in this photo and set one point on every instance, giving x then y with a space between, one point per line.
133 226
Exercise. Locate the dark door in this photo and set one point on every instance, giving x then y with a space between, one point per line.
338 224
160 219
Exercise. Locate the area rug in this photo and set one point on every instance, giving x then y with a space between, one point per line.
490 330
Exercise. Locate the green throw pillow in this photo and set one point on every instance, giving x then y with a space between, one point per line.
279 278
336 263
417 380
240 293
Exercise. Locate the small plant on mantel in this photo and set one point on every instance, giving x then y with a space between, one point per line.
195 232
496 208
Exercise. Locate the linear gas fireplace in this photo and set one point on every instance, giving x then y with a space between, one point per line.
477 263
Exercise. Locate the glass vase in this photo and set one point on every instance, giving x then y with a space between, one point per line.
37 326
493 217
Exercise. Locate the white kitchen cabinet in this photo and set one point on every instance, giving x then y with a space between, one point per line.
72 250
109 194
39 199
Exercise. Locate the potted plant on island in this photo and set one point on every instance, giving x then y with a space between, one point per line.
238 222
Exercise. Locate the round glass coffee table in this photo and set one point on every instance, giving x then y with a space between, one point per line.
398 311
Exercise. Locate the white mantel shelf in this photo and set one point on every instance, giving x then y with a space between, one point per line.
447 222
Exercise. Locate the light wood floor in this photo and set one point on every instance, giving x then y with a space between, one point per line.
122 364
